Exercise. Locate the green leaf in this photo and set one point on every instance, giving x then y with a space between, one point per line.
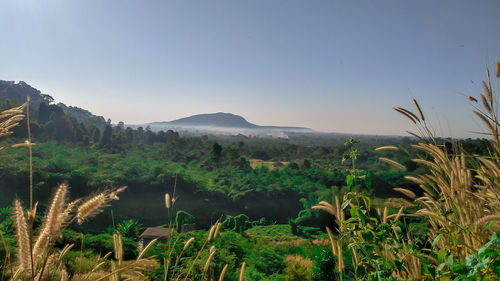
441 255
449 260
349 180
355 211
436 239
367 202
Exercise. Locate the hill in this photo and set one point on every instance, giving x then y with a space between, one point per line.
223 124
18 92
219 119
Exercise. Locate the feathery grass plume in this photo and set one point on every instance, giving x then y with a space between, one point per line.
486 219
12 118
212 249
419 109
242 271
90 207
497 69
486 104
95 204
408 114
223 272
211 232
471 98
487 92
52 223
384 215
323 205
387 147
340 256
66 214
23 244
167 200
209 259
393 163
406 192
332 241
217 228
187 243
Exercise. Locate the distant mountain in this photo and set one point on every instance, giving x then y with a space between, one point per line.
225 124
226 120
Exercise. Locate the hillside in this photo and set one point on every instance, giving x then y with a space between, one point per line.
18 92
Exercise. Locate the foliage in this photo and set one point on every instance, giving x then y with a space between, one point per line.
131 228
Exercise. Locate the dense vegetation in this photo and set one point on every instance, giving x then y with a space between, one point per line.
267 209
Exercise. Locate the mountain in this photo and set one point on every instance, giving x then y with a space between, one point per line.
221 120
226 120
223 124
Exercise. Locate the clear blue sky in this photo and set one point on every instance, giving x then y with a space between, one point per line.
330 65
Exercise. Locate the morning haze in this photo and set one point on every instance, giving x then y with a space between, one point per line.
328 65
249 140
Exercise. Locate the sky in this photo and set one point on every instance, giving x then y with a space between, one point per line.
334 66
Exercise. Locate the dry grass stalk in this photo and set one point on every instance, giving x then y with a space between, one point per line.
419 109
410 194
52 223
449 187
209 259
23 244
408 114
223 273
332 241
187 243
471 98
211 232
393 163
167 200
487 92
118 246
217 228
387 147
242 271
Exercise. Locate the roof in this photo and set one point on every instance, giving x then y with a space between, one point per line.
155 232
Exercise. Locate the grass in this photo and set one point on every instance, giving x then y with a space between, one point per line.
271 165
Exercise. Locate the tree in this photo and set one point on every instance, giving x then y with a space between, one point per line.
216 152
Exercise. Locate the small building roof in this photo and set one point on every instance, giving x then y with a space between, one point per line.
155 232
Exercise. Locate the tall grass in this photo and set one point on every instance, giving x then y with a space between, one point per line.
37 258
460 201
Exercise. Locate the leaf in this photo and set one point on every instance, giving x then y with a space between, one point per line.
436 239
441 255
355 211
449 260
349 180
367 202
345 204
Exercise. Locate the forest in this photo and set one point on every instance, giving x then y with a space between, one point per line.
77 192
